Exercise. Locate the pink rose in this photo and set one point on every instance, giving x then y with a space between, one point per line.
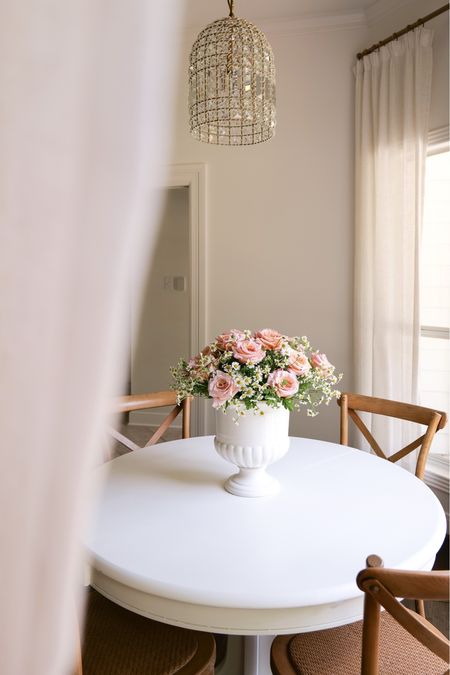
270 339
284 383
221 388
227 340
248 351
320 362
298 363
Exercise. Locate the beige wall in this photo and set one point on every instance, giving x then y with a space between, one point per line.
280 214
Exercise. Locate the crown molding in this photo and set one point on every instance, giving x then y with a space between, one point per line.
383 8
307 23
320 21
315 23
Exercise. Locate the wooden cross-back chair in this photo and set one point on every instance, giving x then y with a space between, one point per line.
434 420
394 642
382 588
117 641
159 399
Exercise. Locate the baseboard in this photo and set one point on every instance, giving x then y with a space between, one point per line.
436 477
442 559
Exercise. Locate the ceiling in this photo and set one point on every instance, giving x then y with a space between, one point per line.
204 11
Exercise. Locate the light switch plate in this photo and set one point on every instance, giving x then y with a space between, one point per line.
179 283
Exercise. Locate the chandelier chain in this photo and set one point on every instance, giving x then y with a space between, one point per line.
230 7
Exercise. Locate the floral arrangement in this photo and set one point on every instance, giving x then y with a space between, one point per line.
244 369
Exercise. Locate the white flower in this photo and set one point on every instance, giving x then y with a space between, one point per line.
194 377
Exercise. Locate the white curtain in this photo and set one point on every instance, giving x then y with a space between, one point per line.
393 88
84 125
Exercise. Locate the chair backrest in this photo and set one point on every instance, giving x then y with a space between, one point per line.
434 420
381 588
160 399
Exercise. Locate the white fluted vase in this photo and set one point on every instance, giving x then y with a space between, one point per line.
260 438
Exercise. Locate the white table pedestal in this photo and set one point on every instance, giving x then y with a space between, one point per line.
249 655
257 654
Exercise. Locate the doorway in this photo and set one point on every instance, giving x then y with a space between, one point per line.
172 321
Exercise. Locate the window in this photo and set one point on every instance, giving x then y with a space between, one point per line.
434 373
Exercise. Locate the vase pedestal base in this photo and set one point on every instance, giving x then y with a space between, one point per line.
252 483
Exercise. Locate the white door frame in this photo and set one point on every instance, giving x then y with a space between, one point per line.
193 176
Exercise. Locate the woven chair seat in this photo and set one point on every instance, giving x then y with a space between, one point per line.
337 651
119 642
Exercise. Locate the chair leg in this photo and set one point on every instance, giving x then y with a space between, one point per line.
420 607
186 417
344 420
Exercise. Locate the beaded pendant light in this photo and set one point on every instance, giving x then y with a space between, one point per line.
232 84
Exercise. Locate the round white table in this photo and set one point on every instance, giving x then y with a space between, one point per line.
170 543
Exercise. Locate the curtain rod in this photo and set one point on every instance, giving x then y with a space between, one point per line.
409 28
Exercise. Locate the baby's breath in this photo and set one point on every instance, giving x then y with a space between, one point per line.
250 379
